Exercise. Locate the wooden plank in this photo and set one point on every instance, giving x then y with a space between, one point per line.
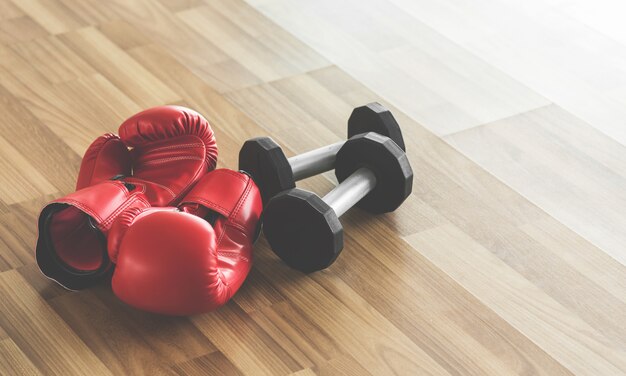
19 29
209 364
13 361
423 73
255 351
345 317
53 59
544 48
8 10
273 110
127 340
255 45
230 125
124 34
119 68
257 293
304 372
18 234
12 167
407 289
40 333
227 75
16 241
44 287
36 146
579 183
180 5
582 256
304 340
52 15
172 339
536 314
344 366
74 112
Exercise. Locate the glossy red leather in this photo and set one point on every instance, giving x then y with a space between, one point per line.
166 123
65 240
177 263
106 157
161 153
105 201
173 147
123 223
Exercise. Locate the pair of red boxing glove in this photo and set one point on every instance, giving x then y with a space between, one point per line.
152 211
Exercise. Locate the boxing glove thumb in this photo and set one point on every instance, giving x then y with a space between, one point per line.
164 260
193 260
104 159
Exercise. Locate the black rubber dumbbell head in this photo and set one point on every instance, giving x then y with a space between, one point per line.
394 176
262 158
302 230
375 117
265 161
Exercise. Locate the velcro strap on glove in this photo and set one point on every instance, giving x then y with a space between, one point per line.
223 191
105 201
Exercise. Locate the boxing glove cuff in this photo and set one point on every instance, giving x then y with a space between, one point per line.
228 193
71 248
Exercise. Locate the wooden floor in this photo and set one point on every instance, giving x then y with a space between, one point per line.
507 259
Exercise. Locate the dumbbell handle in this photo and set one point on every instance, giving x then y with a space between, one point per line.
350 191
314 162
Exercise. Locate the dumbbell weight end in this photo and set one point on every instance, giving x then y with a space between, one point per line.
303 230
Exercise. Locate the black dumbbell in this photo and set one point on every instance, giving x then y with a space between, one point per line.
273 172
304 229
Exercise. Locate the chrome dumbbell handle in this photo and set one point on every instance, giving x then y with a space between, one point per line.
350 191
314 162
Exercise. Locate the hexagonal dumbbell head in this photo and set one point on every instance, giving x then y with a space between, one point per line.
375 117
265 161
302 230
394 176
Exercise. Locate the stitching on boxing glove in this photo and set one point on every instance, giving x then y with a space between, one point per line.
238 255
142 182
237 226
170 159
181 146
86 209
132 199
243 197
195 178
207 204
237 174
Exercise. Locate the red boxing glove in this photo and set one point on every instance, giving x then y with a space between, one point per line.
172 147
191 259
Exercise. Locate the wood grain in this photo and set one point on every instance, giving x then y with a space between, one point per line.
571 170
508 257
